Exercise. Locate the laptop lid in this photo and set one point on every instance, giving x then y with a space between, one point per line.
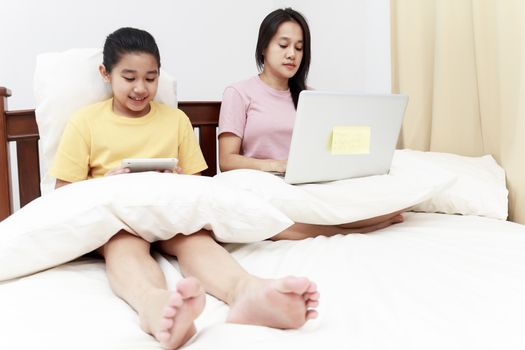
340 135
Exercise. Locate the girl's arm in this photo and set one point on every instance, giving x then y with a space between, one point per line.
230 157
60 183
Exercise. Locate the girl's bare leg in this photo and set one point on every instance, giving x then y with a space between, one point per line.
137 278
280 303
301 231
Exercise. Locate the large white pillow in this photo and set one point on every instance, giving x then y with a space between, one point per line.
479 187
80 217
66 81
337 202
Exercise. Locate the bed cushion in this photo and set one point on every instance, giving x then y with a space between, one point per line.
479 187
80 217
337 202
64 82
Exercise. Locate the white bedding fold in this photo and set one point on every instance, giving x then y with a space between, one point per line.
339 202
82 216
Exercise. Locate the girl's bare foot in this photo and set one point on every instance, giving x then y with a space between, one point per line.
169 316
285 303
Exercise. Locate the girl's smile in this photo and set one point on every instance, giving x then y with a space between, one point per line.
134 81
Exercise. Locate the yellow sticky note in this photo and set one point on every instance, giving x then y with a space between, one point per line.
350 140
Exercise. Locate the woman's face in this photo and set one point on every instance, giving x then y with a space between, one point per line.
284 53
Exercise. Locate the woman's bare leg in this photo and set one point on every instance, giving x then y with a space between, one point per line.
301 231
280 303
137 278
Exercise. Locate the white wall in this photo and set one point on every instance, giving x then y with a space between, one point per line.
205 44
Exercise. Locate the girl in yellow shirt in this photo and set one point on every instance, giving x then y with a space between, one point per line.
131 125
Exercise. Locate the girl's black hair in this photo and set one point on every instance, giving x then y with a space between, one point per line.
267 30
128 40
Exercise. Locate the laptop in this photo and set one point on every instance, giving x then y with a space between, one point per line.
340 135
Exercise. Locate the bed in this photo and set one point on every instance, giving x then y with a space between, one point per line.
435 281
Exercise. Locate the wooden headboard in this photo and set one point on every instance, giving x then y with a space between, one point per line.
20 127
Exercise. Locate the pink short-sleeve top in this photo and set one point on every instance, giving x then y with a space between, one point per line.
261 116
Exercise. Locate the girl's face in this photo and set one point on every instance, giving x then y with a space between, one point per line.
284 53
134 81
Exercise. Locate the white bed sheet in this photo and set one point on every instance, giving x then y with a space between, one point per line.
433 282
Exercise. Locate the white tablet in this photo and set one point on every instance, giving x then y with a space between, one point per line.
149 164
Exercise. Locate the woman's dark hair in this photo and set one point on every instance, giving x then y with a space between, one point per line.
267 30
128 40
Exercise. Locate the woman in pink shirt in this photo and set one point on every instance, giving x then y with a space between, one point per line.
258 114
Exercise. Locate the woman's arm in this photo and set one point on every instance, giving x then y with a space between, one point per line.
230 157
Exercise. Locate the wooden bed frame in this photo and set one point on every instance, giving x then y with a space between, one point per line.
20 127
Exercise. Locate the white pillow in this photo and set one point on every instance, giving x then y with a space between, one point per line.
66 81
336 202
80 217
479 188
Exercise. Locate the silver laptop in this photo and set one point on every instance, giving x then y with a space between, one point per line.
338 136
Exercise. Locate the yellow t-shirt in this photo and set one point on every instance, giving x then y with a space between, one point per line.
96 140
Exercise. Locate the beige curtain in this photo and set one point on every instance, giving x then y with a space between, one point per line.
462 62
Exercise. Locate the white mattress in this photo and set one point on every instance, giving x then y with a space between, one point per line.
433 282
